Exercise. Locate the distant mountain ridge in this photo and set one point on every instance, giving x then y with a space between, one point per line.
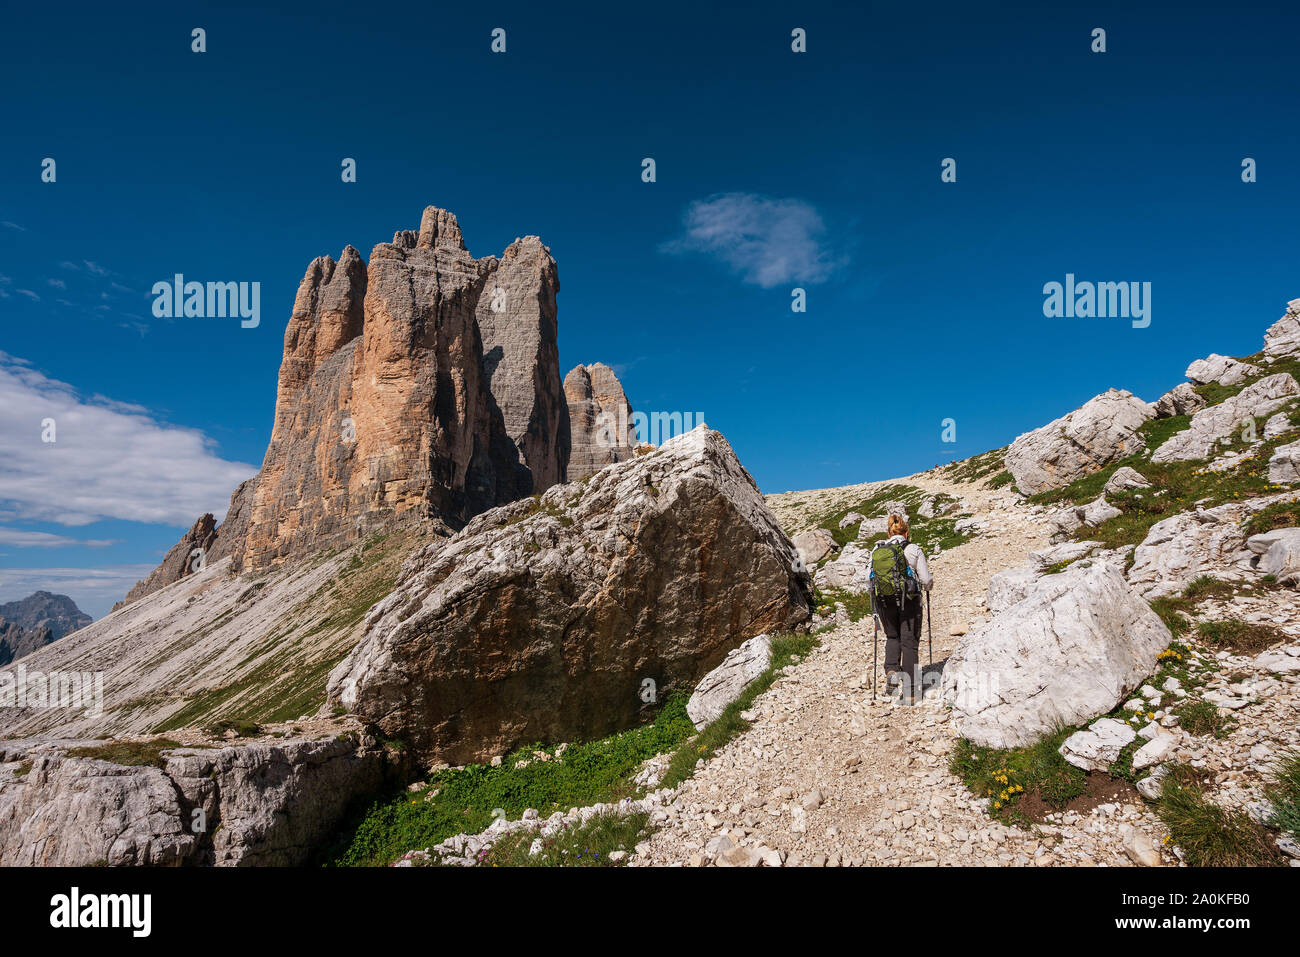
33 622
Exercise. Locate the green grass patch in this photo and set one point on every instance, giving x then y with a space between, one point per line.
1005 777
857 604
1283 792
1277 515
128 753
241 729
463 800
1202 719
1238 635
991 463
1209 835
584 845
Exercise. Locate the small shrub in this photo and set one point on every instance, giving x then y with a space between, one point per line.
1202 718
1240 636
1209 835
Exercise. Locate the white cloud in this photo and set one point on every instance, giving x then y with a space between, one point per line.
109 460
15 536
95 590
770 242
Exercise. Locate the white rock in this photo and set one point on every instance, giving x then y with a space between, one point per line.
1097 747
724 684
1284 464
1156 751
1125 479
1221 369
813 545
1068 652
1097 433
1283 337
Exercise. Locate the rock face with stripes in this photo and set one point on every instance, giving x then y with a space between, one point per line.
422 386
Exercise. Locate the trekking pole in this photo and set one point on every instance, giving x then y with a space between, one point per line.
929 626
875 624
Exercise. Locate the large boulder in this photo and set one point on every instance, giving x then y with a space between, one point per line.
1284 464
1071 650
725 683
568 616
1217 422
1221 369
1097 433
1182 399
1283 337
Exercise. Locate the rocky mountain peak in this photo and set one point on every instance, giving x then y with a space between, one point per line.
440 229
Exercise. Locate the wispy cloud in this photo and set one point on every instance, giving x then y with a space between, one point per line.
769 242
108 461
8 225
23 539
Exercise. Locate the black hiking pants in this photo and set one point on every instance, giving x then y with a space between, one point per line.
902 626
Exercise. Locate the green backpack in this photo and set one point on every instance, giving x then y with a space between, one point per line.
891 576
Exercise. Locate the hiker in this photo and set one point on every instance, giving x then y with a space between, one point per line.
899 572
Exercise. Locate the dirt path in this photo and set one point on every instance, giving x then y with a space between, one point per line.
826 775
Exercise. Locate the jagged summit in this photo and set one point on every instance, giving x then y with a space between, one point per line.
423 385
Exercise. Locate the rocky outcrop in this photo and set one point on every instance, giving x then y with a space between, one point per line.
423 387
600 420
1223 370
1180 400
251 804
1217 422
725 683
566 617
1283 337
1069 651
1089 438
43 609
1205 541
517 320
186 556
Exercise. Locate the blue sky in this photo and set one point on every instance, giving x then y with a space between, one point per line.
774 170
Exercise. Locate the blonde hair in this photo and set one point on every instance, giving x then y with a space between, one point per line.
898 526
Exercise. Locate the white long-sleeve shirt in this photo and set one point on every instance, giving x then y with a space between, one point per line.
915 559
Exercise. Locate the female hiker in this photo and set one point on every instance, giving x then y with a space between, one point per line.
899 573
